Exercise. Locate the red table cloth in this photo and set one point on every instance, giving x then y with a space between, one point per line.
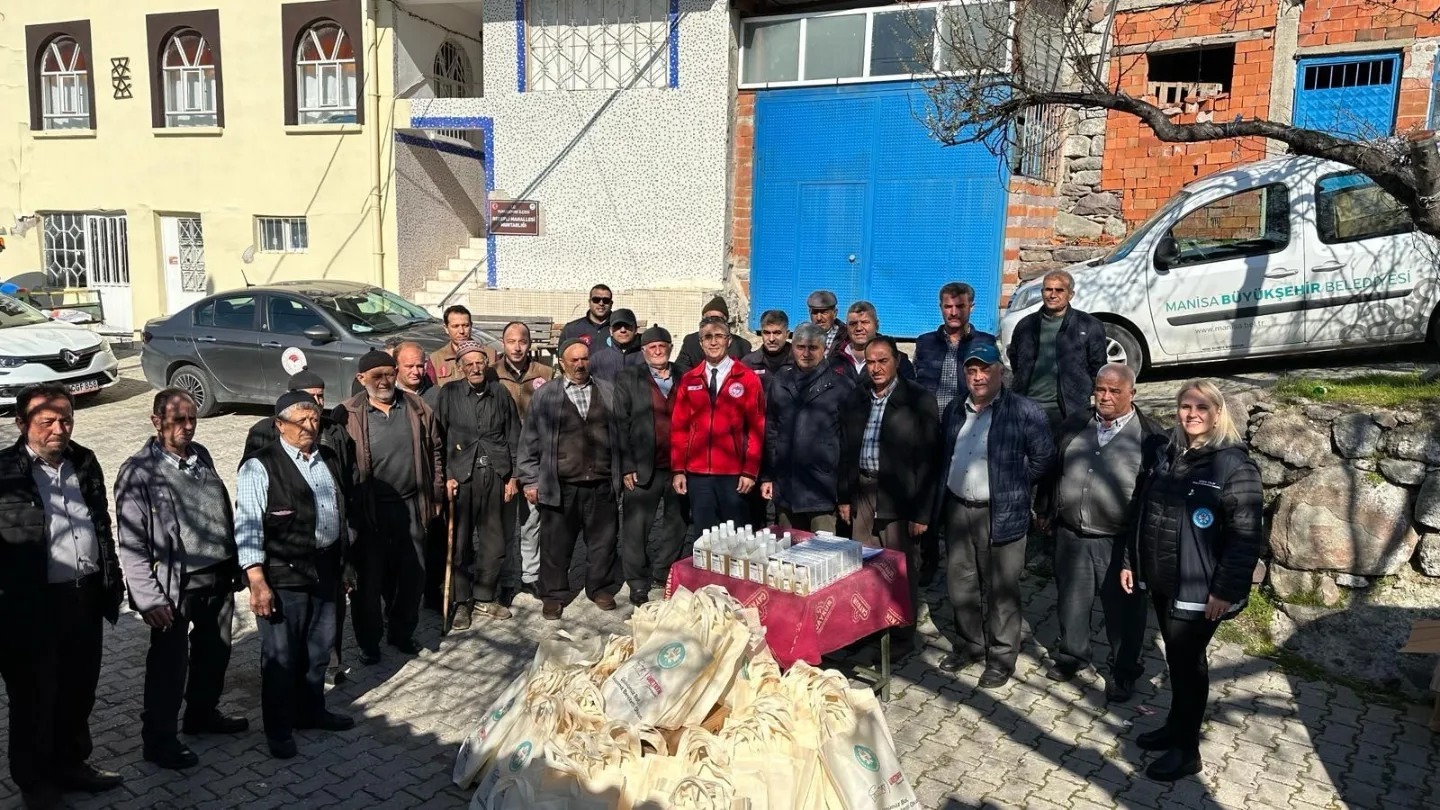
802 628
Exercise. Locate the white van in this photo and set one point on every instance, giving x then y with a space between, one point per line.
1277 257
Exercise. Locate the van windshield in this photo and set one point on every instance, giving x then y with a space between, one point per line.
1123 249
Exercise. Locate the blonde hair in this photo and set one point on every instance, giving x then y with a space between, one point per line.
1225 430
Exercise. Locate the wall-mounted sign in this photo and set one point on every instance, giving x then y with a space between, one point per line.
515 217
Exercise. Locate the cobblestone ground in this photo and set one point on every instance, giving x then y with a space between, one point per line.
1272 740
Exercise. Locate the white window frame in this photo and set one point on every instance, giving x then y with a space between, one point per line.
292 233
66 84
450 77
183 108
594 46
344 108
869 12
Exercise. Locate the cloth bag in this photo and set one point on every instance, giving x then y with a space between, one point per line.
522 744
860 759
480 744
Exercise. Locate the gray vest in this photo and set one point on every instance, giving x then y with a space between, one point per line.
1097 483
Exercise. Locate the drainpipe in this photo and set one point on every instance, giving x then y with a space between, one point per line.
377 225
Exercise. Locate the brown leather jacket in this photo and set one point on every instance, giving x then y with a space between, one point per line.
523 387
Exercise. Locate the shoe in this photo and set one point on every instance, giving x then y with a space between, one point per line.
334 676
956 661
1055 672
460 617
1119 690
41 797
1174 764
327 721
215 723
494 610
638 598
282 749
409 646
1157 740
553 610
604 602
89 779
172 756
369 657
994 679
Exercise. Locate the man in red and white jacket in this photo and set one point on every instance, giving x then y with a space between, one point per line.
717 431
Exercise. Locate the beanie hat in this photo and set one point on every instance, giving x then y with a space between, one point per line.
304 378
290 398
469 346
654 334
375 359
716 303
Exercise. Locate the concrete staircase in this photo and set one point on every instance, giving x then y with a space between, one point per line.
472 257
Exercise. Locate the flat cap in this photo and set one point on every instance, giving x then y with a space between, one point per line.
290 398
375 359
656 333
821 299
304 378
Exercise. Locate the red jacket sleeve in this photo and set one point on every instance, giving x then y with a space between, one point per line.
680 428
754 432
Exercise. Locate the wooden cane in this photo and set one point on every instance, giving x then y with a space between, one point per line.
449 569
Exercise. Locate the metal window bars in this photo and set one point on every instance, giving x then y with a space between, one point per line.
192 255
597 44
86 250
1035 143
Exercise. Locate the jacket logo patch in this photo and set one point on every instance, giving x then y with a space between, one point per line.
736 390
1202 518
694 388
537 384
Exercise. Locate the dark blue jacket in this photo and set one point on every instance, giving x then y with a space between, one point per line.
802 436
931 349
1020 454
606 362
1079 354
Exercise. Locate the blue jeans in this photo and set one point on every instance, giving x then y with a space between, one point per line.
295 647
714 500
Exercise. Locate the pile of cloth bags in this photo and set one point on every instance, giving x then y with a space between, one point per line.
689 711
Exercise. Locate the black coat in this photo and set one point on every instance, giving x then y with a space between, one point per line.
803 436
478 424
332 435
24 540
1020 453
635 419
606 362
692 356
909 438
1079 355
1199 530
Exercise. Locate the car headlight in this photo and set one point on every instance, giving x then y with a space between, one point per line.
1025 297
11 362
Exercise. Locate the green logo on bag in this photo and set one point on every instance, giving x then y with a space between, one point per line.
671 655
866 758
521 756
501 712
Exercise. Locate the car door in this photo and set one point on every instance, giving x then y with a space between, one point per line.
285 349
1229 275
227 341
1367 263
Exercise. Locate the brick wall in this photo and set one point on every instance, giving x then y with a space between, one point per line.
742 175
1029 219
1148 172
1347 22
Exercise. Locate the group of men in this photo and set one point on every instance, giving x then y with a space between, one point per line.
831 427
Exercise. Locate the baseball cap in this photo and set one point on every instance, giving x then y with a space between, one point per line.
985 352
623 317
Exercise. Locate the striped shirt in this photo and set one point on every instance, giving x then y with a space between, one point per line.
870 440
253 487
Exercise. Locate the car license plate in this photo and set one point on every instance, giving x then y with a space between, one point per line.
83 386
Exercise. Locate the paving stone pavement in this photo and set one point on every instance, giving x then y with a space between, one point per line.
1272 740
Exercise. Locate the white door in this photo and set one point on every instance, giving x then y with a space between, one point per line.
1369 271
182 242
108 257
1235 276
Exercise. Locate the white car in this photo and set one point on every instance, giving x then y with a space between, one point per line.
35 349
1278 257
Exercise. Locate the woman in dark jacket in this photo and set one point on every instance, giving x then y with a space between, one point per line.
1194 550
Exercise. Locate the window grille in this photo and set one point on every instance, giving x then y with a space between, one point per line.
1036 142
451 79
189 75
85 250
283 234
597 44
325 76
64 85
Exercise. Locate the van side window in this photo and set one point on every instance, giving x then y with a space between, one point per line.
1253 222
1350 206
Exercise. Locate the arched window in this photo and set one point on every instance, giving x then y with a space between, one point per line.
452 71
325 76
64 85
188 69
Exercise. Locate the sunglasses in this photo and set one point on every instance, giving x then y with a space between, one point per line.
595 299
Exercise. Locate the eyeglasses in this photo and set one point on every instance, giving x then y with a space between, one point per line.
595 299
716 338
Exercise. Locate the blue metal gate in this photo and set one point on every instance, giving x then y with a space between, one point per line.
852 195
1350 96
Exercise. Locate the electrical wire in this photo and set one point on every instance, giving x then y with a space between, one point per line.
452 32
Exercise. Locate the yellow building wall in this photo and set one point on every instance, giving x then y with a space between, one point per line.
255 166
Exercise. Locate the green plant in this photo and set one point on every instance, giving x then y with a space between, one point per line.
1377 389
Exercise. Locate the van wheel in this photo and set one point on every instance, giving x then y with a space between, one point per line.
1123 347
